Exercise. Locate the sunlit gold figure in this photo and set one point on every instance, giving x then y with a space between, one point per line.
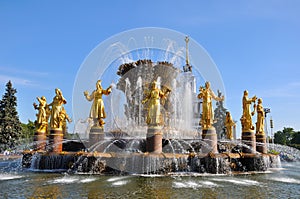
56 108
63 118
246 119
229 124
206 94
97 112
41 122
260 124
154 116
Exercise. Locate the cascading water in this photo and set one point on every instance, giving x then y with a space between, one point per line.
138 99
187 110
117 112
129 100
174 101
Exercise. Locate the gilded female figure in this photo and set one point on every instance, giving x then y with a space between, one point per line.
229 123
97 112
260 124
207 95
246 119
154 117
42 115
56 109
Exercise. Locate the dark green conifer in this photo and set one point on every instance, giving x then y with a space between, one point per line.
10 125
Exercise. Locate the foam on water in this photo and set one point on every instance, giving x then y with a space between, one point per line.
72 179
120 183
237 181
9 176
179 185
65 180
86 180
188 184
194 185
209 183
113 179
286 180
251 182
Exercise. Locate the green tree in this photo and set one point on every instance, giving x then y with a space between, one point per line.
295 141
296 138
285 136
279 138
220 115
28 130
10 125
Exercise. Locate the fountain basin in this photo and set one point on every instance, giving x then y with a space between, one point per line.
148 163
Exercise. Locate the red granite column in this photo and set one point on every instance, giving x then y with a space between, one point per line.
261 144
55 140
209 136
40 140
248 138
154 140
97 135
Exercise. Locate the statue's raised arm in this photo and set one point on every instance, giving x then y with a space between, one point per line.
97 112
246 119
41 122
206 94
217 98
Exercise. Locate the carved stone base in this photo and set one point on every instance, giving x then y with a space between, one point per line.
248 138
209 136
55 140
96 138
154 140
40 140
261 144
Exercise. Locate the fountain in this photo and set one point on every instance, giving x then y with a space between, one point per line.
167 127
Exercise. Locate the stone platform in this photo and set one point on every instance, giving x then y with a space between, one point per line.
149 163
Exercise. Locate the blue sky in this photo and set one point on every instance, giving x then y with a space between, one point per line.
255 44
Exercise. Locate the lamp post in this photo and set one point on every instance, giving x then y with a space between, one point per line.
271 125
267 110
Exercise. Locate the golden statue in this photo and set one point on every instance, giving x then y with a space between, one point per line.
207 95
154 116
97 112
56 104
41 122
246 119
63 118
229 124
260 124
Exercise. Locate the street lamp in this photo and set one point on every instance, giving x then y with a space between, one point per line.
266 110
271 125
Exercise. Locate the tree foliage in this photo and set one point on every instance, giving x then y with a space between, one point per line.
287 137
296 138
28 130
220 115
10 125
